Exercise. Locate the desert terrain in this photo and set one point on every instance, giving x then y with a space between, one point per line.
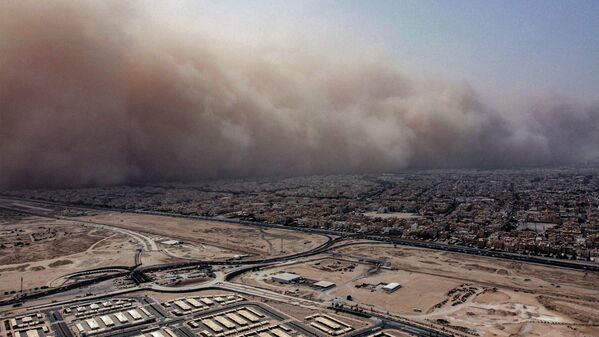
475 295
466 295
46 249
254 241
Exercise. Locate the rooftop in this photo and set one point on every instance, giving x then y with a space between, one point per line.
324 284
286 277
391 286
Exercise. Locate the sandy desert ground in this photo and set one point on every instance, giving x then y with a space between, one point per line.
468 294
260 242
471 294
48 248
44 263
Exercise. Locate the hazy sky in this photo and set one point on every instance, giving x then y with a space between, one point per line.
534 46
116 92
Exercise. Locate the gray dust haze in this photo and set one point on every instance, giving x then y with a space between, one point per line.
105 93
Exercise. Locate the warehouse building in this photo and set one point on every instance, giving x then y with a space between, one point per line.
391 287
286 278
322 285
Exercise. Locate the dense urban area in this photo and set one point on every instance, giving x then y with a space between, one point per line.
547 212
445 253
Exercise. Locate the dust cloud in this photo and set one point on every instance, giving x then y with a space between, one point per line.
95 93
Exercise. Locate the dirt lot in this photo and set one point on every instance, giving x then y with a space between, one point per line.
318 269
119 251
491 297
465 293
484 270
34 239
43 250
198 251
52 248
262 242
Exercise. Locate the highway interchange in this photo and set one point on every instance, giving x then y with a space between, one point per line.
138 272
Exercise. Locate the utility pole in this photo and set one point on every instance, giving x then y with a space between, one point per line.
21 284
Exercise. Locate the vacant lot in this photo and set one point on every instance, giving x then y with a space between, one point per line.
261 242
463 293
118 252
491 297
34 239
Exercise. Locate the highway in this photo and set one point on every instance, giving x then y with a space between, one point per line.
330 244
585 266
335 240
412 243
401 242
138 275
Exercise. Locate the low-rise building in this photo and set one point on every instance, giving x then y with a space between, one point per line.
286 278
324 285
391 287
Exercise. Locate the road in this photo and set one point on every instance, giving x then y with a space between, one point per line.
334 242
401 242
148 244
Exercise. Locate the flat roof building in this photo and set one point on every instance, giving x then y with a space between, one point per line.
391 287
324 284
121 317
107 320
32 333
249 315
194 302
286 278
92 324
206 301
184 306
171 242
134 314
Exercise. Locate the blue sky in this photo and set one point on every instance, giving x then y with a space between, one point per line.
532 46
550 45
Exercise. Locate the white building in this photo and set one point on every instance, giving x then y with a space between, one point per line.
286 278
324 284
391 287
